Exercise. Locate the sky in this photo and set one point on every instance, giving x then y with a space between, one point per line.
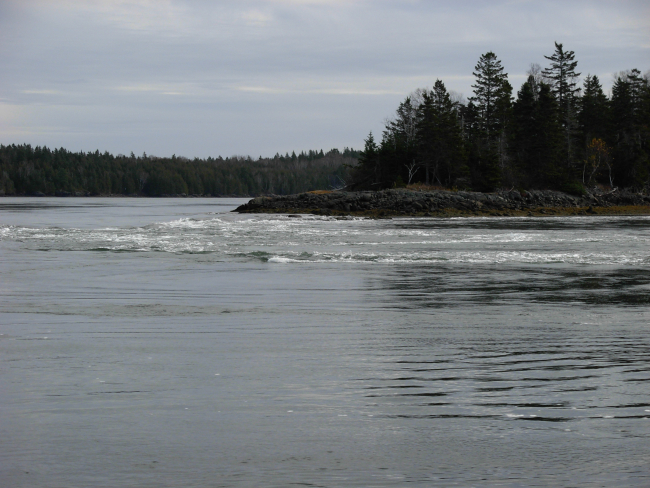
203 78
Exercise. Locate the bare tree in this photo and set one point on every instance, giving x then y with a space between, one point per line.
417 97
598 154
338 183
456 98
142 180
412 168
536 78
404 123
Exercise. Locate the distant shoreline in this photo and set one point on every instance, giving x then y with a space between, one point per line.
408 203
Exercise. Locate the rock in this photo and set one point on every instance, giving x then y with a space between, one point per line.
404 202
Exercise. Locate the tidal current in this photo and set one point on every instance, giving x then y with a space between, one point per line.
172 343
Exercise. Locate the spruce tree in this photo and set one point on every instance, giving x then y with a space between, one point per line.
439 137
563 79
403 127
525 130
367 171
630 129
593 118
488 90
398 146
503 114
547 143
537 137
493 101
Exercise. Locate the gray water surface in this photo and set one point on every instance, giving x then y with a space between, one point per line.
169 343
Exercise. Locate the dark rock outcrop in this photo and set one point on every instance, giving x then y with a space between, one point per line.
397 202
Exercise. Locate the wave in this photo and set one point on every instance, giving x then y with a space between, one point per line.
318 239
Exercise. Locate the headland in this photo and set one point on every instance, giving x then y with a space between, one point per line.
440 203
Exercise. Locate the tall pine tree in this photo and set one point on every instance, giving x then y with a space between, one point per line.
492 101
440 141
537 137
367 172
564 79
631 129
488 91
593 118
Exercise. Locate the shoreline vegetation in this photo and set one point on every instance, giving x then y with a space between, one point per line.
553 143
40 171
551 134
443 203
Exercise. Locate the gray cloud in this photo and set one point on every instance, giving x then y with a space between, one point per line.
203 78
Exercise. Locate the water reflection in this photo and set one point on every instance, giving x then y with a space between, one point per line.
443 286
556 345
571 224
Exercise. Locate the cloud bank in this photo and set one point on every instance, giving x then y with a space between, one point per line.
203 78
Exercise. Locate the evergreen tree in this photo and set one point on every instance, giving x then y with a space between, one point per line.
469 121
537 137
469 117
367 172
503 114
535 78
492 101
397 150
525 130
403 127
593 118
548 141
563 79
439 136
630 135
488 91
636 84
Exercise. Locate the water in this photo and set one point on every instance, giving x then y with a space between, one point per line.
168 342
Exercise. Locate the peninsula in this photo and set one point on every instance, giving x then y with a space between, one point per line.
440 203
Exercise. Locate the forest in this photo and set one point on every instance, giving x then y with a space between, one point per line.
554 134
27 170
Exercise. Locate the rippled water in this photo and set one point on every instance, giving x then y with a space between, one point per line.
168 342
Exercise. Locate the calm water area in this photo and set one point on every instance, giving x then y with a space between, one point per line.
172 343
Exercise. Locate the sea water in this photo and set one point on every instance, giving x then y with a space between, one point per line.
171 342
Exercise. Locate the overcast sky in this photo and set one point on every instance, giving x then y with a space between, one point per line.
256 77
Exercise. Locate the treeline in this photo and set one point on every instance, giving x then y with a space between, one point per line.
26 170
553 134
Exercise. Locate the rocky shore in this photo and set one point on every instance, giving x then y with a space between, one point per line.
402 202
